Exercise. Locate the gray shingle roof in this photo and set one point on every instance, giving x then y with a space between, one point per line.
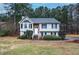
44 20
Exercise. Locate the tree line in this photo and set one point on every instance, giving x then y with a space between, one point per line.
17 10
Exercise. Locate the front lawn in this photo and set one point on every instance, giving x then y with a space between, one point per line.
35 50
14 46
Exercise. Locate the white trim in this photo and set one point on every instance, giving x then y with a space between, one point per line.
25 18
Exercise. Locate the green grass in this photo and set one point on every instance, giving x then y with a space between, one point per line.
35 50
68 48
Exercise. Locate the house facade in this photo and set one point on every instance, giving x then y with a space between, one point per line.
40 26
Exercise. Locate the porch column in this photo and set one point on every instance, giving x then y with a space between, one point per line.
57 34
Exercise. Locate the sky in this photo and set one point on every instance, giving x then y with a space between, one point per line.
49 5
35 5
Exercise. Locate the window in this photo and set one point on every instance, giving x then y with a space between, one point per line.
45 33
25 26
30 25
51 33
21 25
27 21
55 25
52 25
44 25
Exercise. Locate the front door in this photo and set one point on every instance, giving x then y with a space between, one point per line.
36 31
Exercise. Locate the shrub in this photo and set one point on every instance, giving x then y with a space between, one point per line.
50 37
22 37
4 32
62 35
27 35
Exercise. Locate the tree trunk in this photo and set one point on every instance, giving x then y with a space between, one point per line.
14 24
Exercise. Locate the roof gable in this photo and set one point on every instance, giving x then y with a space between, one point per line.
26 19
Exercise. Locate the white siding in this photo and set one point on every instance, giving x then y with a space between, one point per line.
24 29
49 27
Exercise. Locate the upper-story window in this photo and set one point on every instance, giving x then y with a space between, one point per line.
55 25
44 25
30 25
27 21
25 26
21 25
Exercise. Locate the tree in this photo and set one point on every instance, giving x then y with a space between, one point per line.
46 12
52 12
77 12
16 11
64 14
3 17
70 11
41 12
56 13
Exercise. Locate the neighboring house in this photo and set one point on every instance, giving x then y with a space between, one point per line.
40 26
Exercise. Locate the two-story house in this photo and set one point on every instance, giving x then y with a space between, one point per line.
40 26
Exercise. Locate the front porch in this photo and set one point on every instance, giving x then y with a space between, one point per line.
36 29
36 33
